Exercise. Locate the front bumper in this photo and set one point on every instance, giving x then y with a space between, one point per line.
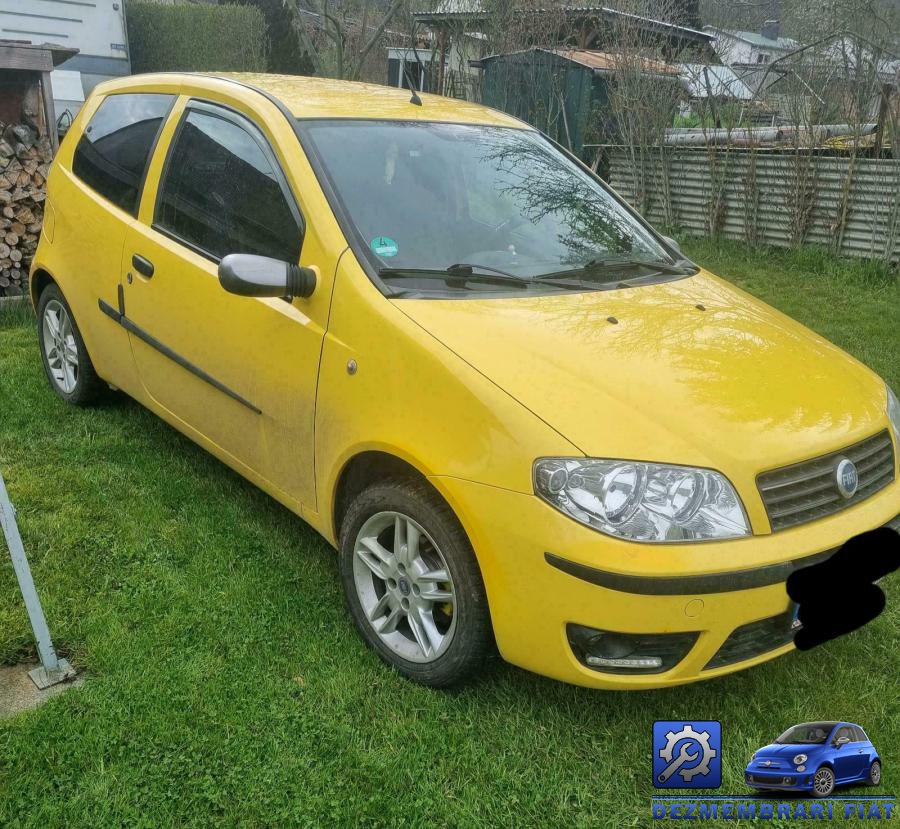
674 588
787 778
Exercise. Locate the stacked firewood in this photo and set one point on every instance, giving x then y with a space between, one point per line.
24 164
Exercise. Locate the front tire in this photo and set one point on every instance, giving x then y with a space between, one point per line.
823 782
412 584
874 778
66 361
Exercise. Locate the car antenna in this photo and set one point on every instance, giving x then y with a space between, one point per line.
414 99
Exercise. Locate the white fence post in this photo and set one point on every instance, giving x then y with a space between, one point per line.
52 670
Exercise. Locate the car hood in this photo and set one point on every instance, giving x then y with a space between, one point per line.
692 371
790 751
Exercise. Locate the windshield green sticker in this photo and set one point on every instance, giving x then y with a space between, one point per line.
384 246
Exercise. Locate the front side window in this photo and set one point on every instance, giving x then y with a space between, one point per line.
844 733
113 152
504 201
222 193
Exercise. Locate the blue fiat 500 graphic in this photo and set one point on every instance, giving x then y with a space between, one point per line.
815 757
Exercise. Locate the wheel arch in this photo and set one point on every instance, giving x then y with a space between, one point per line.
40 279
364 468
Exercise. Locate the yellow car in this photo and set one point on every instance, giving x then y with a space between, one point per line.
522 417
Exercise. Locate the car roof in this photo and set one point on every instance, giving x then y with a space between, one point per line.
308 97
829 723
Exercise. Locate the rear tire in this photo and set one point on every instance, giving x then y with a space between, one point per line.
874 778
67 363
412 583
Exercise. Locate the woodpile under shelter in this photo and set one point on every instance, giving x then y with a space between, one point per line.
28 140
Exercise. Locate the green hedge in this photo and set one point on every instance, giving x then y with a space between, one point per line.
196 38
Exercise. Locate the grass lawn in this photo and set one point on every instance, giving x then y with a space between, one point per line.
226 686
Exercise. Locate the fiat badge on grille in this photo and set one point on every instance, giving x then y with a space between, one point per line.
846 477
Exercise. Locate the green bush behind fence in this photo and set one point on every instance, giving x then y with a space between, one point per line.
196 38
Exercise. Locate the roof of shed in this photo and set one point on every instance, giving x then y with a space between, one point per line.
784 44
600 61
447 10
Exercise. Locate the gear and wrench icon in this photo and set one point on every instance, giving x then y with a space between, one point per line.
677 762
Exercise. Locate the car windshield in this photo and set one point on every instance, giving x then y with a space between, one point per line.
501 207
815 733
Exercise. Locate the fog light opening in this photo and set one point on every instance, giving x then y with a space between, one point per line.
635 653
624 662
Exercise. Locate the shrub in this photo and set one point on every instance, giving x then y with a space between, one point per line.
196 38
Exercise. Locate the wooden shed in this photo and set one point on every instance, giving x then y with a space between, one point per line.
563 92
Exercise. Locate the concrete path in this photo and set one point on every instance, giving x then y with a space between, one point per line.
18 693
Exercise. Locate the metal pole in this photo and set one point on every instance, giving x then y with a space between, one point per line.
52 669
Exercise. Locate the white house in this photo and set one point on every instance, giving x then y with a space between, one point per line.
95 29
751 49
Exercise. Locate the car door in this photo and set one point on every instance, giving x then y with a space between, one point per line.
845 757
239 374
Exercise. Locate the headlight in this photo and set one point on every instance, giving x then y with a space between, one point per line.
642 501
894 413
753 757
799 759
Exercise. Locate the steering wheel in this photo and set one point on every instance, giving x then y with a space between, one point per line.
510 224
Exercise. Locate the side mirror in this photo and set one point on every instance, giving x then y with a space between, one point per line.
673 244
841 740
247 275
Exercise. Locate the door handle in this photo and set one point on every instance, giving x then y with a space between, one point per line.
142 266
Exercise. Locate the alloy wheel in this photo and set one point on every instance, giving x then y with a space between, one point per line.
404 586
823 782
875 775
60 347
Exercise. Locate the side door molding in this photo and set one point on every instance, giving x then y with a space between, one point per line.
145 336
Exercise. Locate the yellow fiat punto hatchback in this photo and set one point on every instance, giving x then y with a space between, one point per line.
525 420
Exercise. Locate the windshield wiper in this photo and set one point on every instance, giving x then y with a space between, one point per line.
683 267
463 273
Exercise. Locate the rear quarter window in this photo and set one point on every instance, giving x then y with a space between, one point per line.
113 152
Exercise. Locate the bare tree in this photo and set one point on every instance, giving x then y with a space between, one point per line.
340 35
644 92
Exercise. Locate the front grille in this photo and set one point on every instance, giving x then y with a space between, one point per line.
769 780
808 490
753 639
765 778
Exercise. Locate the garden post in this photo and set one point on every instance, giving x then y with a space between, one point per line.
52 670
